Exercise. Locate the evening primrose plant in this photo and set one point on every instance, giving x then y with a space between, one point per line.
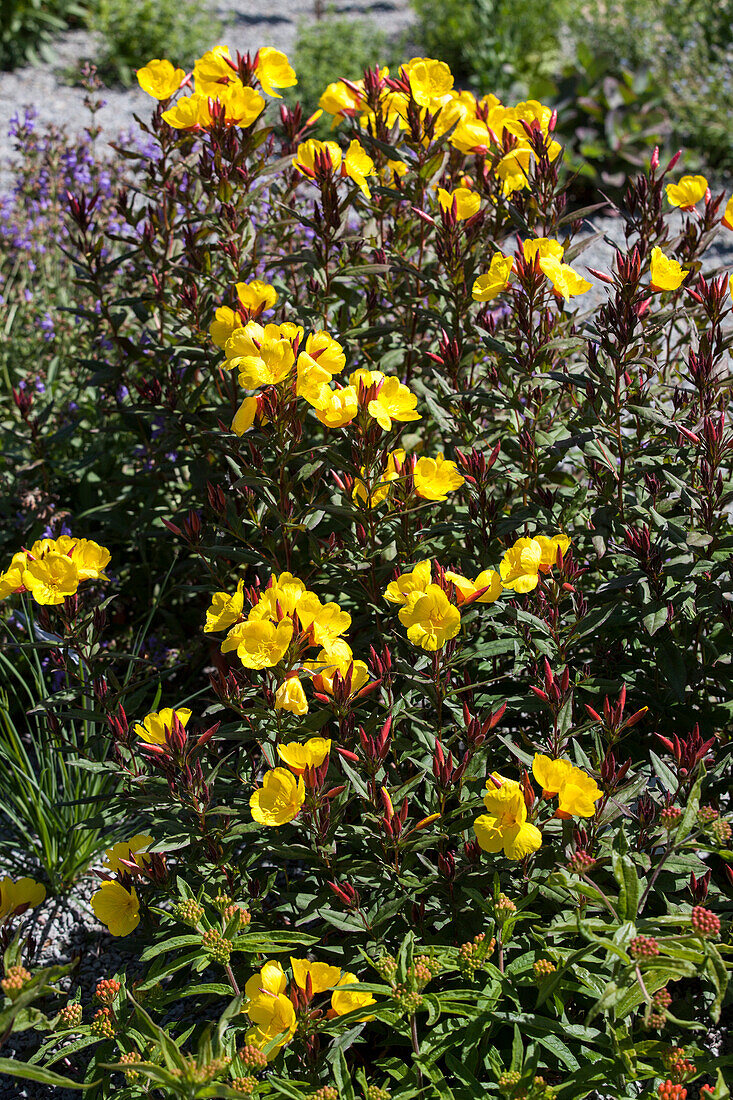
423 792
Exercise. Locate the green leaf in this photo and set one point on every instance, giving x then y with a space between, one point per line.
38 1073
689 817
718 971
342 1076
625 874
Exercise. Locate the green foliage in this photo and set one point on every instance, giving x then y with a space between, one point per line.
135 29
685 48
508 47
357 43
594 956
49 784
27 26
609 120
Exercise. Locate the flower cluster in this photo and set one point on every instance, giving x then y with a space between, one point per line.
426 609
53 568
283 622
269 359
221 89
274 1014
282 793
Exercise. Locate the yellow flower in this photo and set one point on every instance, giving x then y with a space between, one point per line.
117 908
550 547
310 151
256 296
279 799
323 357
505 825
513 169
259 643
430 618
347 1000
365 378
285 590
322 975
544 247
213 71
577 795
465 589
273 70
159 78
269 1009
191 112
153 727
226 321
224 610
495 281
728 214
407 584
576 789
688 192
357 166
380 491
137 845
290 696
337 658
326 620
393 402
242 105
471 135
51 578
246 415
392 171
430 80
313 382
270 980
550 774
340 100
272 1016
321 347
666 274
88 556
12 579
435 477
467 202
310 755
519 568
336 408
566 282
25 893
263 356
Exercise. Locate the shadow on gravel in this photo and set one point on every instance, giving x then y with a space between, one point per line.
237 18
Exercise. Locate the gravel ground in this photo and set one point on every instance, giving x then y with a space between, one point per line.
61 931
245 27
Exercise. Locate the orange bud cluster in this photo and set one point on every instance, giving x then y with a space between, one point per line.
704 922
580 862
14 980
245 1085
107 989
219 946
677 1064
670 816
70 1015
543 968
129 1060
643 947
252 1057
103 1025
668 1090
